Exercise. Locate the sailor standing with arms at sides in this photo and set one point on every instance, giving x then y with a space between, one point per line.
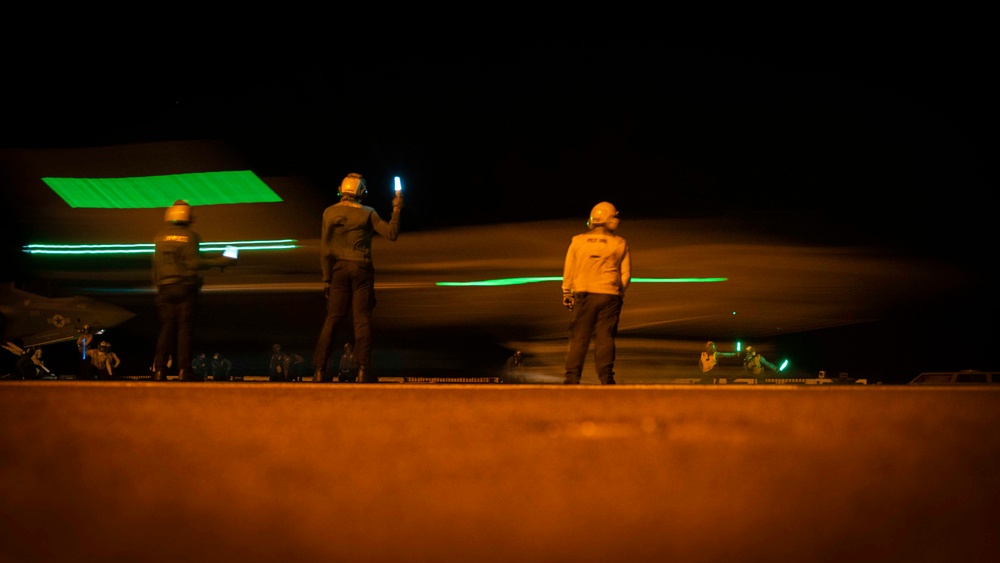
596 273
348 272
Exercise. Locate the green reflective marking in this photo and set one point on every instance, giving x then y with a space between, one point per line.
202 188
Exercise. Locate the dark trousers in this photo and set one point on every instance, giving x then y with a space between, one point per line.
176 305
595 316
87 370
352 293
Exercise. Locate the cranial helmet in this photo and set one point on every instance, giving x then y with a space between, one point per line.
179 212
603 215
354 185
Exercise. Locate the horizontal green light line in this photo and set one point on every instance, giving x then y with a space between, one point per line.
522 281
150 245
146 248
205 248
505 281
95 251
679 280
243 242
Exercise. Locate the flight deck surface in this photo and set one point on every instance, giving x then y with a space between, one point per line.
248 471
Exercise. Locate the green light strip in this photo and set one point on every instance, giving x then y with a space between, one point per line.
285 244
679 280
148 248
522 281
505 281
202 188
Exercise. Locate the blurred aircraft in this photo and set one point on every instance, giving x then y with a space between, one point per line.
36 320
455 301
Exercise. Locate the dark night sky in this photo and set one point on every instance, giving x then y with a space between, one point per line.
872 135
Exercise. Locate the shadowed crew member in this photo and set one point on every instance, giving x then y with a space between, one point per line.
220 367
348 365
348 271
177 265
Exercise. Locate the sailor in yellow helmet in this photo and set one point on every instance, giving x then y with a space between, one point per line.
177 265
596 273
710 357
755 364
348 272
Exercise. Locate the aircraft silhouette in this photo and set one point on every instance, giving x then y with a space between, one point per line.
36 320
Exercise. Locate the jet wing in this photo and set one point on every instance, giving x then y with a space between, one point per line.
38 320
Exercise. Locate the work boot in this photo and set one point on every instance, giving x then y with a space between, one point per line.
366 377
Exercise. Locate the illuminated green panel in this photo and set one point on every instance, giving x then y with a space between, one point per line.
203 188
